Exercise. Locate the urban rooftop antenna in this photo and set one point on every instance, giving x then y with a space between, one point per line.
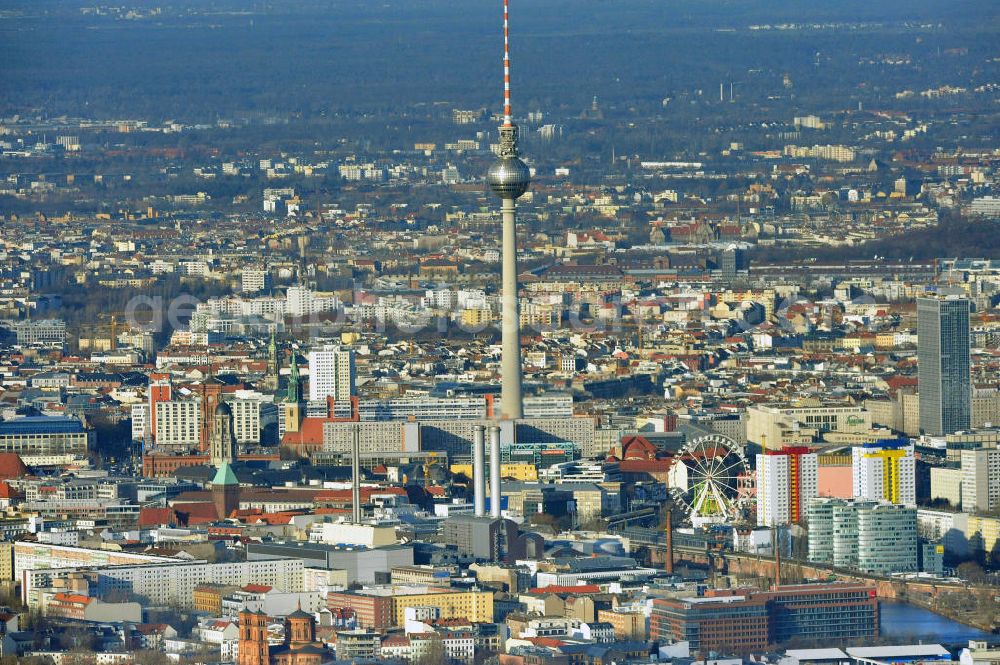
509 178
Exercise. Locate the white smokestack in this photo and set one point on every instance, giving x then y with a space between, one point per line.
495 471
356 475
479 470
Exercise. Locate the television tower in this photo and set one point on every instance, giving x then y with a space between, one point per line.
509 178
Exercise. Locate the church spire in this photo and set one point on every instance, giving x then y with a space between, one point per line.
293 392
271 379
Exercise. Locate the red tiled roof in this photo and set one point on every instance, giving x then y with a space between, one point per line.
196 513
257 588
157 516
310 433
11 466
645 466
396 641
72 598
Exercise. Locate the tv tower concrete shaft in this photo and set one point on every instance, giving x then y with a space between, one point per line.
511 404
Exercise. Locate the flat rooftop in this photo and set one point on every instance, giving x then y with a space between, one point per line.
405 590
817 654
900 653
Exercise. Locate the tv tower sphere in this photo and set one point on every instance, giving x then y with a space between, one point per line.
508 177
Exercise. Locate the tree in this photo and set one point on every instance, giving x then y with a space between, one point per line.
25 660
434 654
77 638
972 571
595 524
544 519
151 657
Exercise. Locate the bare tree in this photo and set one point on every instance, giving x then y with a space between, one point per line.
435 653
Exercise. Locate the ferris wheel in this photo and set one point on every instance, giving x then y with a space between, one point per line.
705 480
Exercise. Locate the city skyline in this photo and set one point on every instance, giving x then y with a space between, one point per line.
434 334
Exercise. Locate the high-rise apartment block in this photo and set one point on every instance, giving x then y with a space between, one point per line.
980 480
331 373
254 279
943 365
786 482
885 471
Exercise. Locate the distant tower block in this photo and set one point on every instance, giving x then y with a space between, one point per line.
509 178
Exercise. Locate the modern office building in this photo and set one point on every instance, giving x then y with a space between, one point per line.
360 563
823 611
787 480
37 438
870 536
887 539
820 516
885 471
732 261
722 623
331 373
478 537
754 620
943 365
833 528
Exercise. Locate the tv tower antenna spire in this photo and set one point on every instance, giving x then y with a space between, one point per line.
508 119
509 178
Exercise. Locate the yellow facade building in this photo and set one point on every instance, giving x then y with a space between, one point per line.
475 606
522 471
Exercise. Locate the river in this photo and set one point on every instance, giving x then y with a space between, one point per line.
909 621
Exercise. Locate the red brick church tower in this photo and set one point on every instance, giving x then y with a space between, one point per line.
299 648
253 647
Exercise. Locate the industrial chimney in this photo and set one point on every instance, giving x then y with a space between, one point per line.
479 470
668 559
356 475
495 471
